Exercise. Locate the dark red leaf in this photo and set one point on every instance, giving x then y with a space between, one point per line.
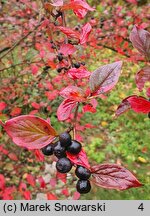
69 32
78 73
67 49
30 131
86 29
123 107
141 40
73 93
142 77
65 108
113 176
80 159
105 78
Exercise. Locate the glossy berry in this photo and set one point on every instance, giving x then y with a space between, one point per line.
65 139
59 70
48 150
83 186
77 65
74 148
60 57
82 173
59 150
63 165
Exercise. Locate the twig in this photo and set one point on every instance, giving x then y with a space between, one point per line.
74 121
19 41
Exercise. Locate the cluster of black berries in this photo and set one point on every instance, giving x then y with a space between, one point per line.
64 165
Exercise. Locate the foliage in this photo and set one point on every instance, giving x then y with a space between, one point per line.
45 63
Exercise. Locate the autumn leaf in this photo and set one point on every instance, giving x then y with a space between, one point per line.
73 93
105 78
65 108
30 131
141 40
113 176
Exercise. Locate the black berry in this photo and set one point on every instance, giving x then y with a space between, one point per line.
82 173
65 139
63 165
48 150
59 70
77 65
75 147
83 186
59 150
60 57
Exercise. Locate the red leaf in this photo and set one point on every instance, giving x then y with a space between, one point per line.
34 69
65 108
51 196
31 180
2 106
141 40
42 182
62 177
78 73
142 77
86 29
27 195
139 104
89 108
105 78
113 176
76 195
39 155
35 105
2 182
57 3
80 159
65 192
15 111
73 93
13 156
123 107
67 49
69 32
30 131
80 12
77 4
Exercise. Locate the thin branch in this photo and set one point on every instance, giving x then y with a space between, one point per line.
21 63
75 120
19 41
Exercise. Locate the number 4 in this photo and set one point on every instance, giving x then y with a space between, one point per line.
141 207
